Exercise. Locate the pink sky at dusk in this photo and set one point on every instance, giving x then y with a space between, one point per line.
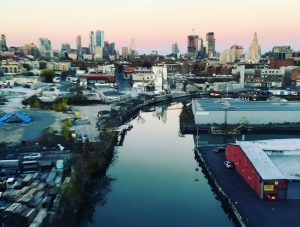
155 24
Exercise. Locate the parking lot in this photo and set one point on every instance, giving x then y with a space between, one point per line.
254 211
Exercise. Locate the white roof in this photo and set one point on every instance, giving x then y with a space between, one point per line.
279 144
274 158
261 161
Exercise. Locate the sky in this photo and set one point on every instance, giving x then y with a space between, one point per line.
154 24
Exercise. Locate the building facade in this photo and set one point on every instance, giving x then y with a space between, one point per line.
10 66
99 38
192 45
3 45
210 45
92 44
269 167
45 48
236 112
79 47
254 53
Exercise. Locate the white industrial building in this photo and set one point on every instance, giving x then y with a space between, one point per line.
234 111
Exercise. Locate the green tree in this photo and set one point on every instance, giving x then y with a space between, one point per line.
47 75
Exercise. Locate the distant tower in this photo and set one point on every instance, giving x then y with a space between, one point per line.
65 47
192 44
79 47
92 44
112 48
3 45
99 38
132 47
45 48
175 49
210 44
125 51
254 52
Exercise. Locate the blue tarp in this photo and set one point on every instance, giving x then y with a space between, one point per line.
20 118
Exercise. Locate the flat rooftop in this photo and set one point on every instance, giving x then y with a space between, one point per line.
274 159
240 105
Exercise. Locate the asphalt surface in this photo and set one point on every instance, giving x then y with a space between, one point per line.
31 131
254 211
88 123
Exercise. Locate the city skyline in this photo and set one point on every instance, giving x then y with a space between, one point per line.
154 25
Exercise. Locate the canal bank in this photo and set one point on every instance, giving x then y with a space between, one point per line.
224 198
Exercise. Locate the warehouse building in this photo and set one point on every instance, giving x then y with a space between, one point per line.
270 167
235 111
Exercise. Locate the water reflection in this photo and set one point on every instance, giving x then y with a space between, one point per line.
156 180
95 196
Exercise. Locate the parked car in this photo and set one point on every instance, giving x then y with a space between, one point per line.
56 79
228 164
219 149
32 156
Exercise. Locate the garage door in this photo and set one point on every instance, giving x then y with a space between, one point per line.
293 191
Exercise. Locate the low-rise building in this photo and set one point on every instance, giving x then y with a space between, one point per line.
236 112
292 76
270 167
97 78
11 66
59 66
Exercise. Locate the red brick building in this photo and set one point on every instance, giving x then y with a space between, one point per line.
277 63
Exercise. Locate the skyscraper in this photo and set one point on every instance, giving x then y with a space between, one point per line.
65 47
45 48
99 38
112 48
210 44
3 46
254 52
132 47
79 47
175 49
106 50
192 44
92 44
125 51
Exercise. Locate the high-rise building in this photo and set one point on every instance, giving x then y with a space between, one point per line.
112 48
201 48
29 49
106 50
3 45
99 38
232 54
254 52
79 47
45 48
132 47
192 44
99 53
125 51
210 45
175 49
65 47
92 44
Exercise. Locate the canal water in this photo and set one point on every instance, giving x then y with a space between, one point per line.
155 180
